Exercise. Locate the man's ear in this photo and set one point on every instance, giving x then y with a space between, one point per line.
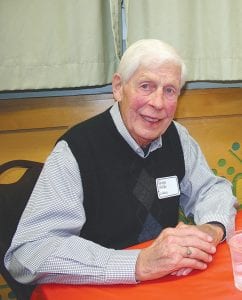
117 87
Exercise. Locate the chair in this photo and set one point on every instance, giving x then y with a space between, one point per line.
13 199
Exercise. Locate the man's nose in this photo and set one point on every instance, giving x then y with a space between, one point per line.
157 99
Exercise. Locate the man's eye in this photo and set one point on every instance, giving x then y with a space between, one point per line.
145 86
170 91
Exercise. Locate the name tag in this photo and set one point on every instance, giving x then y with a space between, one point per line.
167 187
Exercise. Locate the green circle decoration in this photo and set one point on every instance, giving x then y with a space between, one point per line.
230 170
236 146
222 162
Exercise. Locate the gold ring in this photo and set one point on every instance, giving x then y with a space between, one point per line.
189 251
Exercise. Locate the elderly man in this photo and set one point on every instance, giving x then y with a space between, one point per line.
118 179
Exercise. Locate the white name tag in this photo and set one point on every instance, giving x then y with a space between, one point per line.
167 187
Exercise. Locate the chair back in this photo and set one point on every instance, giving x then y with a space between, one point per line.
13 199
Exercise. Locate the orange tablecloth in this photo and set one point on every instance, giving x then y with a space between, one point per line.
215 283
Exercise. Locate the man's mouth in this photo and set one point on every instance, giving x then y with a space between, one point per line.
151 119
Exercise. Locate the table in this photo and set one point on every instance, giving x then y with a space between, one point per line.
215 283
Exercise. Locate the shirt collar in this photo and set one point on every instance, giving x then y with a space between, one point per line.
118 121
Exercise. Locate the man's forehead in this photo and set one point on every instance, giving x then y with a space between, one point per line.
156 72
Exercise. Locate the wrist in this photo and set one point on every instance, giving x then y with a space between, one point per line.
220 228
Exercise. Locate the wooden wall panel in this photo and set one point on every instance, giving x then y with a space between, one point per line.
50 112
209 102
29 144
30 127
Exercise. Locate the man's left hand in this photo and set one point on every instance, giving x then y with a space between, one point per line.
215 231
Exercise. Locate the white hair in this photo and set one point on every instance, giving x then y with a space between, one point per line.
148 52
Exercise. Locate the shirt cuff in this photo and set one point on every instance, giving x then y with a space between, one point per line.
121 267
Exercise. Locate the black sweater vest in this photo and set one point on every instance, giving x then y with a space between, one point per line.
120 197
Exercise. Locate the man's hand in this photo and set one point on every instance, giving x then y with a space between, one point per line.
215 231
175 250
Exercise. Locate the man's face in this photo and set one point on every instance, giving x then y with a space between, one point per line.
148 100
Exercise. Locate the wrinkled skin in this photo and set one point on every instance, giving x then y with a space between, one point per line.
168 253
148 100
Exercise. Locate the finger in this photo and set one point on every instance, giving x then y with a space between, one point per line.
187 271
183 272
193 264
197 243
180 224
173 239
194 253
187 230
179 272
